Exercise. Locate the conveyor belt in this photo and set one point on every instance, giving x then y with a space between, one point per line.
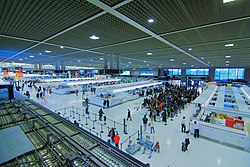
58 142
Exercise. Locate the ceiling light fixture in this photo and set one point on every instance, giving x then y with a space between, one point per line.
129 62
227 61
145 61
202 58
192 65
227 64
79 61
94 37
25 58
20 59
190 49
226 1
208 62
171 59
101 58
149 53
61 47
150 20
184 63
229 45
31 56
228 56
47 51
40 53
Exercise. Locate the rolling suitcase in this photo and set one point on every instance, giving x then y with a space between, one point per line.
183 146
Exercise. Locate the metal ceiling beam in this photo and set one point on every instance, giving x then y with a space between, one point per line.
68 29
140 27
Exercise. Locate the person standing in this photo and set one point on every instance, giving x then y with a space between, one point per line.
100 114
187 140
129 115
107 103
196 130
117 139
145 121
183 125
152 129
164 117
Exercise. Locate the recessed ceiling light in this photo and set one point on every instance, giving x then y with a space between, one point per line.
20 59
138 64
160 66
101 58
149 53
150 20
227 61
226 1
61 47
47 51
192 65
190 49
91 60
208 62
25 58
145 61
227 64
229 45
227 56
147 64
129 62
94 37
171 59
184 63
212 65
40 53
89 64
202 58
79 61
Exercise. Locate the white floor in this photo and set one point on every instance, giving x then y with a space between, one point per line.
201 153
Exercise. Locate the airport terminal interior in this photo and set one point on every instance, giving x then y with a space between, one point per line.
125 83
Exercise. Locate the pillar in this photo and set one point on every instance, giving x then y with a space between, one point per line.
211 74
118 61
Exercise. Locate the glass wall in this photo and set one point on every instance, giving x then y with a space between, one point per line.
228 73
198 71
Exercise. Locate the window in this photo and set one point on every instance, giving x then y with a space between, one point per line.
172 72
229 73
200 71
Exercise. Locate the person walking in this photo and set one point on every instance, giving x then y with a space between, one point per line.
129 115
196 130
183 125
117 139
145 121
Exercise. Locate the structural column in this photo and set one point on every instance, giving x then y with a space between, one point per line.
183 74
211 74
118 61
111 61
105 61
